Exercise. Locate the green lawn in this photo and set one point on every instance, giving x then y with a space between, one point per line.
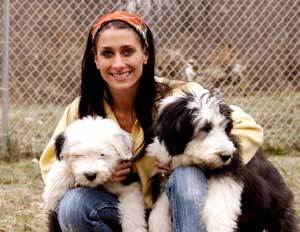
21 188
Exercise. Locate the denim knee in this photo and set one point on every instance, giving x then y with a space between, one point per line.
188 183
187 190
85 209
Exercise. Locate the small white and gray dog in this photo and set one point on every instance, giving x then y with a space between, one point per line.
195 129
88 152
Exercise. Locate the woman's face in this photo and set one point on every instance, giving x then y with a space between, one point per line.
120 58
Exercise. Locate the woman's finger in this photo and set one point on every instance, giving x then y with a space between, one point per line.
117 178
122 172
164 166
124 165
164 169
120 175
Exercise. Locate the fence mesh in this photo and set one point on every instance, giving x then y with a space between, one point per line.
249 49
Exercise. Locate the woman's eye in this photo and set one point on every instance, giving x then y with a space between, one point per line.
106 54
128 52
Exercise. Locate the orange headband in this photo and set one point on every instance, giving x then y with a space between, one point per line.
133 20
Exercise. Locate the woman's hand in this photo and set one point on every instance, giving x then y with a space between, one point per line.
165 169
121 172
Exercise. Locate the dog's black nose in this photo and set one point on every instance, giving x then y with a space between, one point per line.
225 157
90 175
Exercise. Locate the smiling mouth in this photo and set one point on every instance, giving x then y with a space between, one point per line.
121 76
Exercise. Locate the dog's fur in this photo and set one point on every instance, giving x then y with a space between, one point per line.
87 153
195 129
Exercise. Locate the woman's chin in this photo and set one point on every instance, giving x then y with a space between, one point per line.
126 85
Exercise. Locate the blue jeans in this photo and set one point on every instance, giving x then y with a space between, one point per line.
186 190
88 210
85 210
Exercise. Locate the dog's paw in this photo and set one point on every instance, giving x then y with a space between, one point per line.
158 150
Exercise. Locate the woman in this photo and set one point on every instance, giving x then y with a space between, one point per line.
118 82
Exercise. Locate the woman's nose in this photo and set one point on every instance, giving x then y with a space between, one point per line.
118 62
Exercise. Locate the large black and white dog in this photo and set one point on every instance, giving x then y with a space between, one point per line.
195 129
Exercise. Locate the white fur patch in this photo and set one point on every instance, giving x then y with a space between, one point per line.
160 218
223 204
168 100
158 150
207 110
207 148
57 182
131 207
96 134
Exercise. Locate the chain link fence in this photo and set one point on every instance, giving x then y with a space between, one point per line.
250 49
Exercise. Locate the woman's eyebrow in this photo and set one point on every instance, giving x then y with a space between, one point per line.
122 46
105 48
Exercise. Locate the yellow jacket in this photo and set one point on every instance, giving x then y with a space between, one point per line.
244 127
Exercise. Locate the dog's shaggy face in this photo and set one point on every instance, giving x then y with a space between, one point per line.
91 148
198 126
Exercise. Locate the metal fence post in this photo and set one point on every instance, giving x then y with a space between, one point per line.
5 63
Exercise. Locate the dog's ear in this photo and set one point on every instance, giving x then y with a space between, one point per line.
123 144
59 143
174 125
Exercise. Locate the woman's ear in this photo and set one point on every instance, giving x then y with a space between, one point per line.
145 60
96 61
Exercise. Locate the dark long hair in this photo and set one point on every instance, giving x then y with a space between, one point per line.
94 89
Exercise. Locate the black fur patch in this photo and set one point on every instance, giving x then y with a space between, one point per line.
226 111
157 182
53 223
132 177
266 199
59 143
174 126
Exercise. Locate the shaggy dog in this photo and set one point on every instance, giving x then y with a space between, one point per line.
195 129
88 152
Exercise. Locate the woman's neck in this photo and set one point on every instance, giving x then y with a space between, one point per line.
123 108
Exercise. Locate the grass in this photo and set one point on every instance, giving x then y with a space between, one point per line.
21 188
20 197
278 113
30 128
